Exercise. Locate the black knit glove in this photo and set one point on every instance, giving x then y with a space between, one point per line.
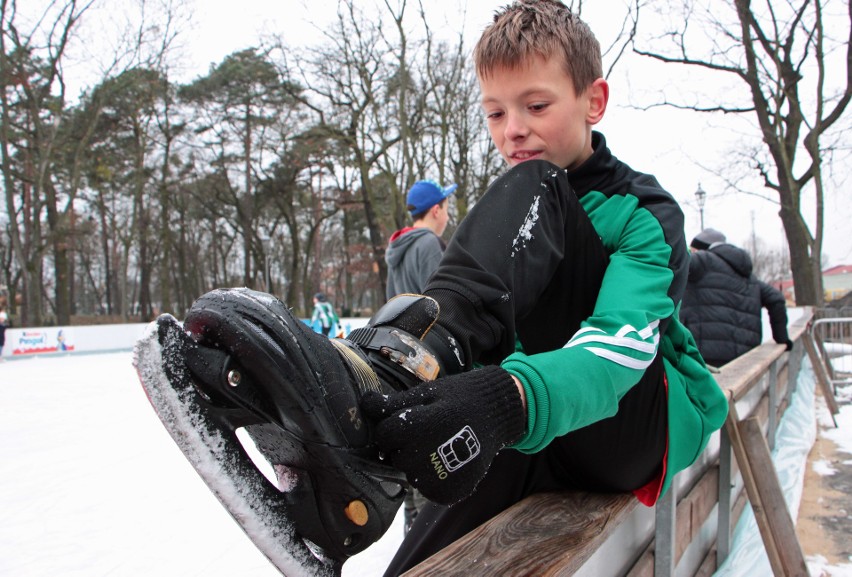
444 434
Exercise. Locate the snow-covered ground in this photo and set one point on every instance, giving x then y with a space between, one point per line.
92 485
840 435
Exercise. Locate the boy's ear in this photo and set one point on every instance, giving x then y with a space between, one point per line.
598 96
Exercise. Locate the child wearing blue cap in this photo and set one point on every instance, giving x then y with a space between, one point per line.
414 252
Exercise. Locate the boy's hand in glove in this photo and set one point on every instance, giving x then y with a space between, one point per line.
444 434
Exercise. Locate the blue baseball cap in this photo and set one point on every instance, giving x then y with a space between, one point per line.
424 194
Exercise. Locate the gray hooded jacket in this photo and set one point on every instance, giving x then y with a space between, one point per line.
412 256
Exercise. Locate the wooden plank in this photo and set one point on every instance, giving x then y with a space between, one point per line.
822 375
684 526
693 510
704 500
740 375
750 482
550 534
708 566
824 355
775 511
644 566
739 507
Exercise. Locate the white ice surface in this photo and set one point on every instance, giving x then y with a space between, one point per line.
92 485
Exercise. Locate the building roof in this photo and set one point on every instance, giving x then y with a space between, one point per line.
839 269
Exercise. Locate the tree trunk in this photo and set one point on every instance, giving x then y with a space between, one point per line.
248 205
166 234
143 216
801 262
376 239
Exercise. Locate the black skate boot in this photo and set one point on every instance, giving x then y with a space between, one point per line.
243 362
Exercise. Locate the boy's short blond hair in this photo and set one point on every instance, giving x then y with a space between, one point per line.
528 28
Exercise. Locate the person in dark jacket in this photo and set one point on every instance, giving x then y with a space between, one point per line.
723 302
414 252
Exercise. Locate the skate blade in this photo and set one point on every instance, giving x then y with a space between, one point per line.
217 455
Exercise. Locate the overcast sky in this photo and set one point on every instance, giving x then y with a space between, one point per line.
672 145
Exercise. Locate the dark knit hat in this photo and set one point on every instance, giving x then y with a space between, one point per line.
707 238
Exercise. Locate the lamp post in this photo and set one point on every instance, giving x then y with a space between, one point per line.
700 199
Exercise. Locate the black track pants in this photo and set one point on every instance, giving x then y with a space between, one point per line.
526 261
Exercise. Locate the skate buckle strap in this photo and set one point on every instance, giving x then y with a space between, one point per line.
400 347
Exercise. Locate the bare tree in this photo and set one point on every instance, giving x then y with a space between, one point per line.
771 265
33 98
791 78
46 135
456 143
349 83
238 101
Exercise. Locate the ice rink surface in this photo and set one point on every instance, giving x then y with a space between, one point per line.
92 485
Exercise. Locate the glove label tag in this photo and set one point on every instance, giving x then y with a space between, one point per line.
459 449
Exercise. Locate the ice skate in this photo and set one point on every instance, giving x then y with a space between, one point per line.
242 362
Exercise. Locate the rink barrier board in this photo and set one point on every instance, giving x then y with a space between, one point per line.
30 342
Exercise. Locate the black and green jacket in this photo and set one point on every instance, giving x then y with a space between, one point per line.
635 319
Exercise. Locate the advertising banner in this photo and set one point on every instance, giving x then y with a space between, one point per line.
39 341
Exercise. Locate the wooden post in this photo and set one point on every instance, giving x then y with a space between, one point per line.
772 497
773 405
737 444
821 374
764 492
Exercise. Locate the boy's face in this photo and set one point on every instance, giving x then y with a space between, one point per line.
533 113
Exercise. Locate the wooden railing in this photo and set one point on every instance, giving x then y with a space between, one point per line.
689 530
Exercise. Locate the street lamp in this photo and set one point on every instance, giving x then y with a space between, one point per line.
700 199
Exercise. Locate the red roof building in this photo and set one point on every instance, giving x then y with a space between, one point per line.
836 282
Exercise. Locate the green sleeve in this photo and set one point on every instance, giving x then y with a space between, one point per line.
583 382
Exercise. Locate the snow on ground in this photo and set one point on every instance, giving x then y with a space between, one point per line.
841 436
92 485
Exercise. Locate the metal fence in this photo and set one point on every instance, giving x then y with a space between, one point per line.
833 337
